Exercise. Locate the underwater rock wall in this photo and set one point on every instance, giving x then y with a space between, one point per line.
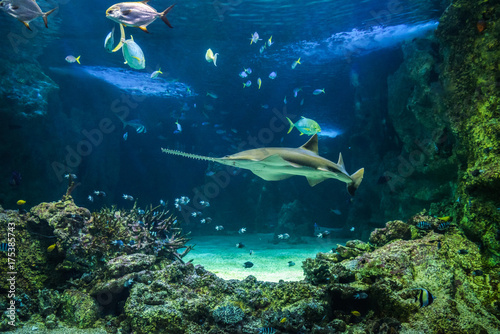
469 37
444 106
425 170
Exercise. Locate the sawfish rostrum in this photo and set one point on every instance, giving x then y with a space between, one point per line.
279 163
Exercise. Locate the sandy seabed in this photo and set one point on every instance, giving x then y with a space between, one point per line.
219 254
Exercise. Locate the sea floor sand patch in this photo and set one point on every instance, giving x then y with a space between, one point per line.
219 254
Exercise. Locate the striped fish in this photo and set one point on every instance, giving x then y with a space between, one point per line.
267 330
424 225
4 246
443 226
424 297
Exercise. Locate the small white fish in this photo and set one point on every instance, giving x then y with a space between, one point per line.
336 211
284 100
255 38
211 57
219 227
73 176
71 59
269 41
320 235
90 198
243 74
204 204
296 91
184 200
212 95
319 91
262 48
247 84
352 229
127 197
295 63
242 230
162 202
99 193
125 136
248 70
155 74
109 41
179 127
273 75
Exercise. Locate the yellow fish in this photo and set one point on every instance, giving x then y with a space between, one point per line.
259 81
210 56
283 320
295 63
445 219
156 73
356 313
51 248
305 126
72 59
132 52
21 202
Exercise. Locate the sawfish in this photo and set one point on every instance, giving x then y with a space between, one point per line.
279 163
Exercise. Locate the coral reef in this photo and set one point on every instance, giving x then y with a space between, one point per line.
393 230
356 288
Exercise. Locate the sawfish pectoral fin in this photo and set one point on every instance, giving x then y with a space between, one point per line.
356 181
315 180
270 176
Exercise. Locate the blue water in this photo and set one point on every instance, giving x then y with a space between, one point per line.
346 47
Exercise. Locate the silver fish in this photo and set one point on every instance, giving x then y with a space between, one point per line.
25 11
109 41
136 14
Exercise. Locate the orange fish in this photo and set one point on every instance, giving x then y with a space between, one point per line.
481 25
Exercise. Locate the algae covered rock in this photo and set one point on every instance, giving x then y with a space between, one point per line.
126 264
388 280
393 230
228 314
352 248
78 309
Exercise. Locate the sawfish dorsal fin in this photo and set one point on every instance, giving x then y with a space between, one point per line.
341 161
312 144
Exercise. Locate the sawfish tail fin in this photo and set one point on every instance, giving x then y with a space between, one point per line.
356 181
